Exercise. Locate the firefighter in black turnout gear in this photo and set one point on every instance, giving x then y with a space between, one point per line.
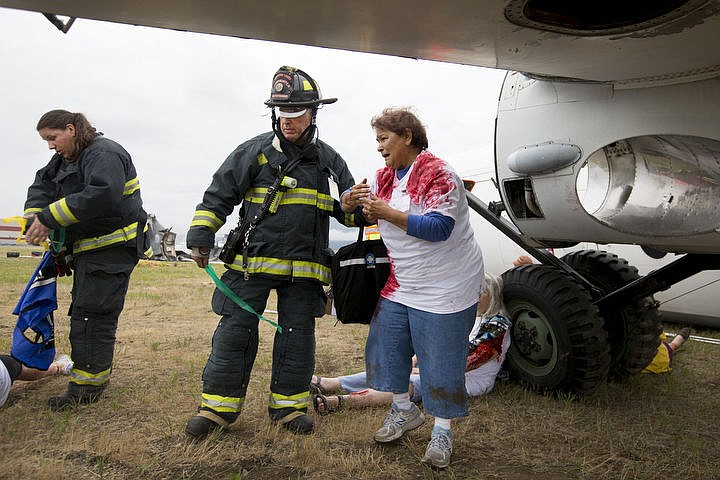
288 183
87 198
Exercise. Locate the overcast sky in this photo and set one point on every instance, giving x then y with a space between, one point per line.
181 102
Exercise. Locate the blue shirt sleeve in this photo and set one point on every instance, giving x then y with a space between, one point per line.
433 226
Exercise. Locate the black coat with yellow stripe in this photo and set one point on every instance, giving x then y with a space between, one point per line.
293 241
95 197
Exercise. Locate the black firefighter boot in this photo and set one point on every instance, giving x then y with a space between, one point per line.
76 395
296 422
203 424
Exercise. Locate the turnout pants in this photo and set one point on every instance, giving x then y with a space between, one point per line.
235 345
100 282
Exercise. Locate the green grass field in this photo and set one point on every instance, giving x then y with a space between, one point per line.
648 427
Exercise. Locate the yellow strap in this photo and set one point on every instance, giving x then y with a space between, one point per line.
22 221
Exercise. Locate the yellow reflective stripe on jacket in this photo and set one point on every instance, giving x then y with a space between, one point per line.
349 220
206 218
284 268
255 195
297 401
219 403
294 196
262 159
121 235
29 211
82 377
61 213
131 186
325 202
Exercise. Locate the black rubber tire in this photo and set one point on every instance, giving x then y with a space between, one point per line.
13 254
634 328
559 342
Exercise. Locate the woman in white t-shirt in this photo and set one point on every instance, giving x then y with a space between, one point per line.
428 304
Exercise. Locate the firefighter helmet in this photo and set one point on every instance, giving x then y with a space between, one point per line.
291 87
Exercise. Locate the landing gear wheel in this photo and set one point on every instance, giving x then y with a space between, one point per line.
559 342
634 328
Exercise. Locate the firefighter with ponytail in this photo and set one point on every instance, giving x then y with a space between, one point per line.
87 200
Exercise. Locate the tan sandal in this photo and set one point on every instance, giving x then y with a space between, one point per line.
320 399
316 387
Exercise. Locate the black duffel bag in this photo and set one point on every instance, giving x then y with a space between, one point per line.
359 272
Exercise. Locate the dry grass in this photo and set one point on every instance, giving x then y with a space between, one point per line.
646 428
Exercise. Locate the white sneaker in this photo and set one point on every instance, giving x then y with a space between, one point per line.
64 365
398 422
439 449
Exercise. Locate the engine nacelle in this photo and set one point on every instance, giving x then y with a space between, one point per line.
580 161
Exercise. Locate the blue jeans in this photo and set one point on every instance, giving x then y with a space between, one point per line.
440 342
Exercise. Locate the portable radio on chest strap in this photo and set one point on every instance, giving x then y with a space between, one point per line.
270 204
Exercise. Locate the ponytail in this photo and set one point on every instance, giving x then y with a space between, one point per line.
59 119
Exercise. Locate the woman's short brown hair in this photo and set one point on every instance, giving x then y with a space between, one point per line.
398 120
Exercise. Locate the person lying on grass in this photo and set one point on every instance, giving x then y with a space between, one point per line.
488 344
11 370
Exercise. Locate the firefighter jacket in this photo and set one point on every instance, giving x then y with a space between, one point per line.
292 242
95 198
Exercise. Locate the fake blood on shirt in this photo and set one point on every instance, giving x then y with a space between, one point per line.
429 180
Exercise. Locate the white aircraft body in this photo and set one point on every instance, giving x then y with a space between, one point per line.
610 135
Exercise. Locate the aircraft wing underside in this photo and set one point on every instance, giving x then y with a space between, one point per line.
602 41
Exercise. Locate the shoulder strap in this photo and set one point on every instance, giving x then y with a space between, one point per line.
289 166
275 189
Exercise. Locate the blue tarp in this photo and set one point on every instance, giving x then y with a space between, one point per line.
34 334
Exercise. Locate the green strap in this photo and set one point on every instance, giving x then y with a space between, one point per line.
239 301
57 245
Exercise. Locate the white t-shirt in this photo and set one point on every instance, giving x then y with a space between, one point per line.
438 277
481 380
5 383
